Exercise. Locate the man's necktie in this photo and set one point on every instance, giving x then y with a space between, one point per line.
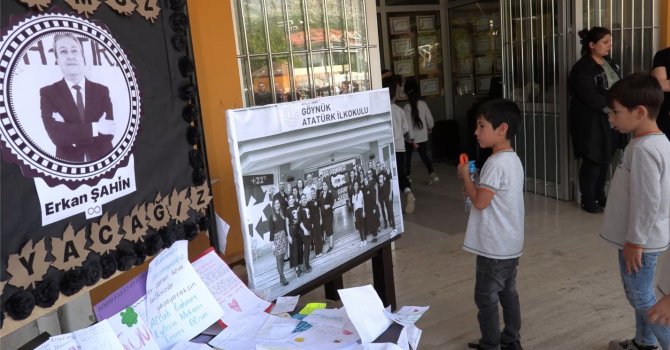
80 102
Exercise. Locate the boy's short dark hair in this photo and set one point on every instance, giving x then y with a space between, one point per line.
500 111
639 89
392 83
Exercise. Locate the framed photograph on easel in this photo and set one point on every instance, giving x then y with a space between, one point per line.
278 188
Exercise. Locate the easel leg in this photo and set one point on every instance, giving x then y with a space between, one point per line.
382 273
331 288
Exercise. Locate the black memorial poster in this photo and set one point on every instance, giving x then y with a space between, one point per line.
102 152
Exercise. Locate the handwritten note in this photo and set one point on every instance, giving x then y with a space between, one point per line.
407 315
329 317
64 342
240 335
285 304
324 337
413 336
99 336
131 330
230 292
179 305
47 345
277 328
366 311
122 297
186 345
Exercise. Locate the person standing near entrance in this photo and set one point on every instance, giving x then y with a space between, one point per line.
421 121
593 138
661 71
400 128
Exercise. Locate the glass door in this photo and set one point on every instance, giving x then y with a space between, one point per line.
476 65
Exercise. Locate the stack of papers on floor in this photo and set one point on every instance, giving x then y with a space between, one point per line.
175 304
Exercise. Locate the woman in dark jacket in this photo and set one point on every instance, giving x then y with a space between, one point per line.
370 208
326 202
295 247
593 138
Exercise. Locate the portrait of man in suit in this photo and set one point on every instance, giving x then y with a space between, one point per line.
77 113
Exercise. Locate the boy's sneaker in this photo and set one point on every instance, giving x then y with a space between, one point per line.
433 178
629 345
409 206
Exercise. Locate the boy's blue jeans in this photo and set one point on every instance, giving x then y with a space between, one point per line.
496 282
639 288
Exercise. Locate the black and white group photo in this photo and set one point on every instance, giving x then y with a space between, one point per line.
315 198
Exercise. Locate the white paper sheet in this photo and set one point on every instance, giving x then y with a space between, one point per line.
285 304
99 336
187 345
64 342
372 346
413 336
330 317
230 292
45 346
132 331
324 337
240 335
275 346
277 328
403 341
222 228
179 305
366 311
407 315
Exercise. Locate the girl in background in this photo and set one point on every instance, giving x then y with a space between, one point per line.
421 122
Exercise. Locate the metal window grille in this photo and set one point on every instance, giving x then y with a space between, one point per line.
309 47
540 45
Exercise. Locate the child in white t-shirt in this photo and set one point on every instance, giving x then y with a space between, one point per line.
637 216
495 229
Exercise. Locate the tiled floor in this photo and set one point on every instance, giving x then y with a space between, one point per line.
570 290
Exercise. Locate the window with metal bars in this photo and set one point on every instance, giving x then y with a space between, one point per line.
298 49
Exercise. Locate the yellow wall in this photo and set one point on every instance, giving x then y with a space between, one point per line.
219 89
